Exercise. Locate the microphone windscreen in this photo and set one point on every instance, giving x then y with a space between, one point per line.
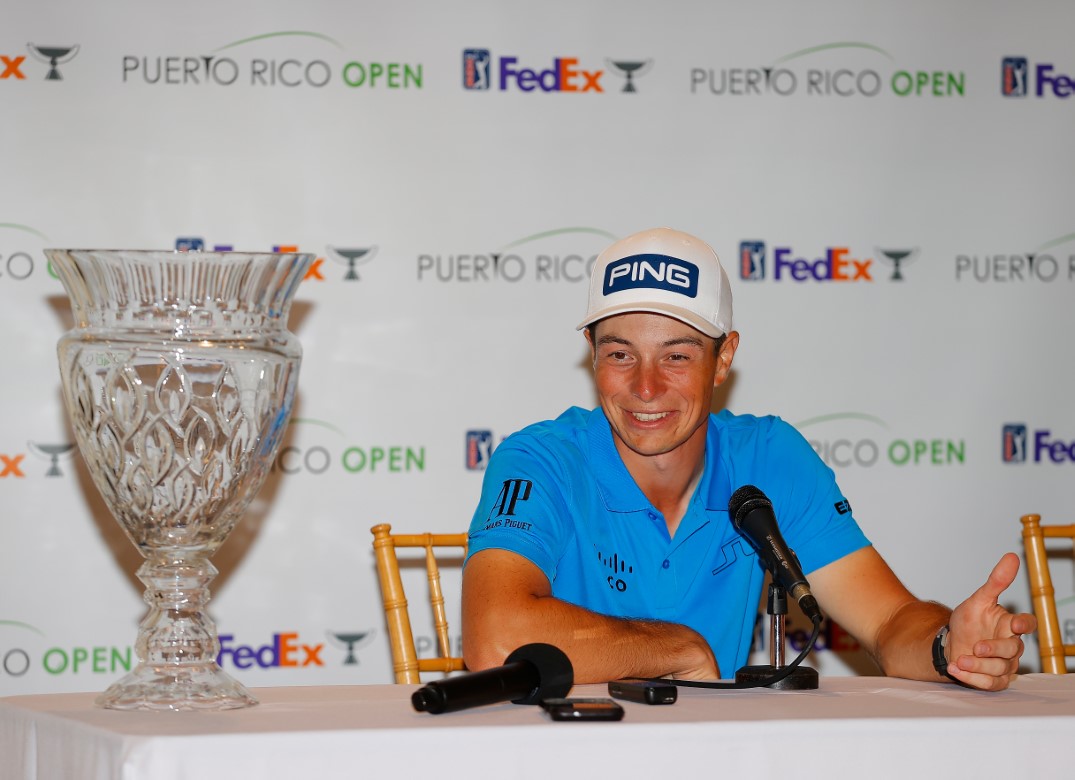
745 498
554 671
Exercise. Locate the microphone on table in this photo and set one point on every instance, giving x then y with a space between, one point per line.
753 516
531 673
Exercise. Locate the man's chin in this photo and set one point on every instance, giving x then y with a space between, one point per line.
644 446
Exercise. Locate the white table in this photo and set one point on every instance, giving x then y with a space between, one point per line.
850 726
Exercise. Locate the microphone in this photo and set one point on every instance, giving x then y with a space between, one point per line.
531 673
752 514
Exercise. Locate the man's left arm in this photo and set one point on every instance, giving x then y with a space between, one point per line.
861 593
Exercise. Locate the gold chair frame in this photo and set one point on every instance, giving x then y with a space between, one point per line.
1051 647
406 664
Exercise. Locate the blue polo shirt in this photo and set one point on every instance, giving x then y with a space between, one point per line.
558 494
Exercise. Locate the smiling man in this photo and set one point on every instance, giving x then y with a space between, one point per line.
606 532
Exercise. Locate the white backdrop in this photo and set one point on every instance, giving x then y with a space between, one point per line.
942 130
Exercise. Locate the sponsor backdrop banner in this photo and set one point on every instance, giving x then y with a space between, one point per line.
887 185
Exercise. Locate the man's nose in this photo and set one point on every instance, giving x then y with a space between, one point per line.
647 381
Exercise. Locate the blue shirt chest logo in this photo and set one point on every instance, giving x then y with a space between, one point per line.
658 272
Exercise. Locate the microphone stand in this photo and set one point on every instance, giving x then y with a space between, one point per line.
801 677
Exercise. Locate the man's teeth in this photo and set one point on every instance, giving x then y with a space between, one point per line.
643 417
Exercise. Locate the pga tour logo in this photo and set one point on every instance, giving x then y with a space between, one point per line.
1013 77
752 260
479 449
658 272
476 69
1013 443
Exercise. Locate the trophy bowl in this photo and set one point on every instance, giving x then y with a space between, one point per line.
178 379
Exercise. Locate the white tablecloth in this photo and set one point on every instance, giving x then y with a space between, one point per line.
850 726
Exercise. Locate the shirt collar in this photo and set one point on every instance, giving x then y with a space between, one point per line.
618 488
716 487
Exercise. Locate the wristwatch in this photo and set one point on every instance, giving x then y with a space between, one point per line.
940 659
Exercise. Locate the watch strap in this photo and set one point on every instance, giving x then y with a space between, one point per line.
940 657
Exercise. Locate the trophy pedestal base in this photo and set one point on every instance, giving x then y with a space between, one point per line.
179 687
803 678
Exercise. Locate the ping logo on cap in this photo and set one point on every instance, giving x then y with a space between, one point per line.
659 272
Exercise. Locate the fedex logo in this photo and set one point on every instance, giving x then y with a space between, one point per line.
313 272
9 465
12 67
1060 85
197 244
565 75
659 272
283 650
835 266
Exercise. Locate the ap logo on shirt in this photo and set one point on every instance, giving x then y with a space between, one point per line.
511 493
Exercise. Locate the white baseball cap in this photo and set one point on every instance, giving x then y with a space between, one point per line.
662 271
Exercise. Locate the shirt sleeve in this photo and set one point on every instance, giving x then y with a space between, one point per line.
523 506
812 512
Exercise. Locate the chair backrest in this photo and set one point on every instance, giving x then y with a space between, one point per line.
405 661
1051 645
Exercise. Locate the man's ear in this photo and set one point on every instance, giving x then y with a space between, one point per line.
724 358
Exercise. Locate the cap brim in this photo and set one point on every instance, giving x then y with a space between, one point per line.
675 312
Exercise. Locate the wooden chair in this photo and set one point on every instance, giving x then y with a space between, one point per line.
405 661
1051 645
